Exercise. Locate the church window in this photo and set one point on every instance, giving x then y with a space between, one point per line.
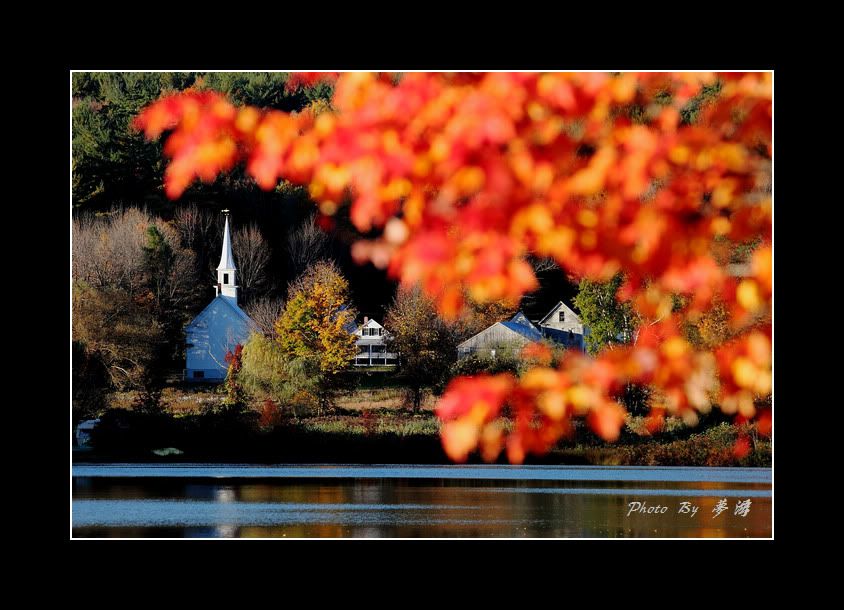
562 316
225 278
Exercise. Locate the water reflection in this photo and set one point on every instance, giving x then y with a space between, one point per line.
409 508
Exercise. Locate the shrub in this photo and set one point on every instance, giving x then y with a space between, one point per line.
270 415
473 364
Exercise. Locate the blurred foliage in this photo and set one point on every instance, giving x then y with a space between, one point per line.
690 113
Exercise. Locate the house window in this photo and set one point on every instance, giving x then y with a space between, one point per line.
199 374
225 278
562 316
380 332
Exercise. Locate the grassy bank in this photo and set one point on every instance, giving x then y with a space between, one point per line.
391 435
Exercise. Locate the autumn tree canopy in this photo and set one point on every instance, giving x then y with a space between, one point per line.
463 176
315 321
425 343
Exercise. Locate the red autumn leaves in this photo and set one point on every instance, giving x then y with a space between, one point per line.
467 173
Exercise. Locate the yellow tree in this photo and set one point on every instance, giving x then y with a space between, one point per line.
315 324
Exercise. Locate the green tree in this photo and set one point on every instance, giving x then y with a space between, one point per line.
268 373
158 261
110 159
426 344
609 320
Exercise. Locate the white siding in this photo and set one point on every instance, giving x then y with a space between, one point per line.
571 322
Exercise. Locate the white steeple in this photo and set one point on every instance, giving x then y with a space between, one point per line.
226 269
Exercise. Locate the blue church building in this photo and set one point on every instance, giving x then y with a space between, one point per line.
220 326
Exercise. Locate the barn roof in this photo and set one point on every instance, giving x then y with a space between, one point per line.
528 331
351 326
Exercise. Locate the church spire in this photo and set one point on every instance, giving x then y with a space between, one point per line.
226 269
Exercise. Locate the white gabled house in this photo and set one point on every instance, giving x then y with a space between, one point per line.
562 325
372 345
220 326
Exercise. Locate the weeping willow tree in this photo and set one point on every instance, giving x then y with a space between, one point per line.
267 373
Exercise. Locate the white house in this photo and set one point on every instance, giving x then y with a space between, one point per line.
560 325
372 345
220 326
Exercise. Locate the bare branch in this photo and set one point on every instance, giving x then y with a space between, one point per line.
306 245
252 257
264 312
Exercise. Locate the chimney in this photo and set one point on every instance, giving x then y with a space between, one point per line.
365 320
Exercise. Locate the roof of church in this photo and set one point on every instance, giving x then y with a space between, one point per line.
229 303
226 259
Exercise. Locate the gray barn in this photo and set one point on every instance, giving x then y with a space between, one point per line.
507 336
560 325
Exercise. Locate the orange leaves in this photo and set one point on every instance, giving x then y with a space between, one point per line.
467 173
475 151
606 420
469 407
745 371
298 80
479 397
761 264
204 141
538 353
273 136
592 178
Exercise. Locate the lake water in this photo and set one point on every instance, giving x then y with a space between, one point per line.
206 500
